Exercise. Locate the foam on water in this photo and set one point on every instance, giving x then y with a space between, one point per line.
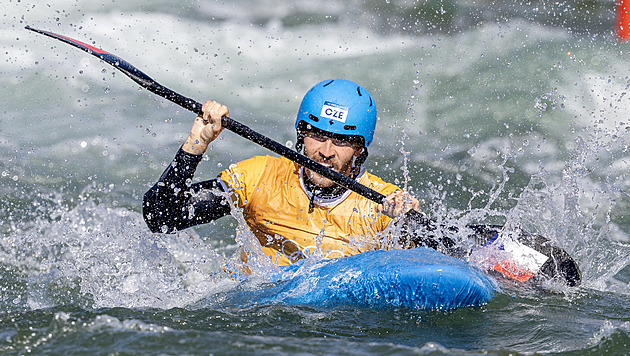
96 256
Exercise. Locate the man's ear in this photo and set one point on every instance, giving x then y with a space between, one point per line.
358 151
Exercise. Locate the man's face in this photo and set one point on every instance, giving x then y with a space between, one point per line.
333 153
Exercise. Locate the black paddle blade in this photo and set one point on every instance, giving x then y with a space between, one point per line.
129 70
122 65
559 265
418 230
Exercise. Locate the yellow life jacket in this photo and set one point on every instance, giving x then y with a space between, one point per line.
275 205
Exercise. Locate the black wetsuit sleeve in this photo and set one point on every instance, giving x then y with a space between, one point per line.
174 203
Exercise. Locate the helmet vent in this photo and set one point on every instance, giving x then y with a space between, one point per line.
371 101
327 84
313 117
359 91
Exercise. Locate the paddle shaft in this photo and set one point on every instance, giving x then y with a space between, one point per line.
242 130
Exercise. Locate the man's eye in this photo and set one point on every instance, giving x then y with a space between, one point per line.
318 138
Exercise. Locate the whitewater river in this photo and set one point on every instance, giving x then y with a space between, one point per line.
488 112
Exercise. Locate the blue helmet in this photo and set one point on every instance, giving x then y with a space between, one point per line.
340 107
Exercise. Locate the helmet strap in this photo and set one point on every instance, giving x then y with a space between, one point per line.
358 162
299 143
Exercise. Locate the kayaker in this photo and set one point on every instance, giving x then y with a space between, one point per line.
291 210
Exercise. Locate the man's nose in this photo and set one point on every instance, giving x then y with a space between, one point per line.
327 149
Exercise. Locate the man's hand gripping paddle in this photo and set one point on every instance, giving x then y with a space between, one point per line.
555 263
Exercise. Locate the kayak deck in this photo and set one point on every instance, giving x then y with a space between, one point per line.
419 278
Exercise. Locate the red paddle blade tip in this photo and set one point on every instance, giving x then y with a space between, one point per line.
512 271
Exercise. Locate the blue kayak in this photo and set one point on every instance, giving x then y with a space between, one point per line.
420 278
